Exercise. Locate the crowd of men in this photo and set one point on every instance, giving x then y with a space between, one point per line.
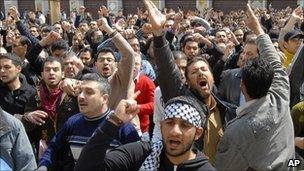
153 90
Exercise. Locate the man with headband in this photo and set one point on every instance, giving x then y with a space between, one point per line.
184 118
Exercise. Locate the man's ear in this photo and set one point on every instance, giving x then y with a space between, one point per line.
284 44
19 68
105 98
198 133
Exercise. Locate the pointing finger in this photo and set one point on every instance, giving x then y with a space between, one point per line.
135 95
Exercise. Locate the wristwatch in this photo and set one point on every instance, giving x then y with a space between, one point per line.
115 119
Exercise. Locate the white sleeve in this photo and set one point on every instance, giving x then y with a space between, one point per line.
157 115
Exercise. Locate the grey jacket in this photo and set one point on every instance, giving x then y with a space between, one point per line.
229 89
261 137
296 77
15 147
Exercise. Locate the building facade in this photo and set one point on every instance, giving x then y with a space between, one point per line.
130 6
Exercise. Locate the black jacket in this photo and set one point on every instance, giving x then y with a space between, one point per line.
229 88
127 157
15 101
67 107
170 80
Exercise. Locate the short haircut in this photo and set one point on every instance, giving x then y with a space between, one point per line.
25 41
51 59
33 26
179 55
186 38
69 54
131 38
86 49
251 40
46 29
59 45
83 21
247 33
106 50
13 57
194 60
104 86
257 76
221 30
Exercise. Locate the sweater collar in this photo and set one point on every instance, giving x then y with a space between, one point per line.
103 115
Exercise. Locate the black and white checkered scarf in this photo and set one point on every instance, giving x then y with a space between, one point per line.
173 110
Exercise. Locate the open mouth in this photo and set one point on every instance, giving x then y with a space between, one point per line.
105 69
174 143
52 79
203 84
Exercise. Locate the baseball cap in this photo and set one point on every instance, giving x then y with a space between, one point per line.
293 34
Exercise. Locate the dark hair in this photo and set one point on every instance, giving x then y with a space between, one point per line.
302 26
69 54
86 49
179 55
194 60
57 23
104 86
33 26
59 45
13 57
246 33
106 50
83 21
220 30
46 28
186 38
252 40
25 41
51 59
257 75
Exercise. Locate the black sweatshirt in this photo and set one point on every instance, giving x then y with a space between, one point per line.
127 157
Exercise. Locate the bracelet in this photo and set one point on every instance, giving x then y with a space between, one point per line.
113 34
115 119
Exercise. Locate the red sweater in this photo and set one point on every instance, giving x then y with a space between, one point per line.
145 99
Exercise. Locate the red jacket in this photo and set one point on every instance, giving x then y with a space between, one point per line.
145 99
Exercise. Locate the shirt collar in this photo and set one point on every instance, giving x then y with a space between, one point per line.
239 110
136 78
212 103
103 115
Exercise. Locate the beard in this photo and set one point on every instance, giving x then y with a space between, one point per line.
187 148
11 80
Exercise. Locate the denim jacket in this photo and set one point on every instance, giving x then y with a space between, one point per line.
15 148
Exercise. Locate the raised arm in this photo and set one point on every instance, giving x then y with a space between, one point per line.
124 75
169 75
21 27
280 83
33 55
296 16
